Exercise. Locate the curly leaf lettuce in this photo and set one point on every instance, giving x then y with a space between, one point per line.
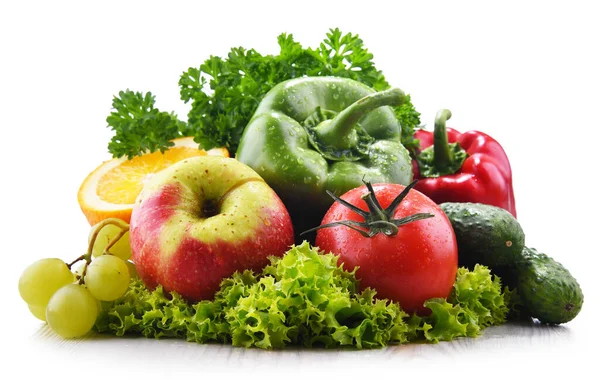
161 315
305 298
476 302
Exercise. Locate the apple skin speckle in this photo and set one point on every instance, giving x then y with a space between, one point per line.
175 246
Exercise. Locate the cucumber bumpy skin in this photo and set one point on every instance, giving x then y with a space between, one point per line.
485 234
547 289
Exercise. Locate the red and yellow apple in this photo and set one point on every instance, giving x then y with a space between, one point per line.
200 220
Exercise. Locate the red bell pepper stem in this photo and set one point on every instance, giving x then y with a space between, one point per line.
441 150
463 167
441 158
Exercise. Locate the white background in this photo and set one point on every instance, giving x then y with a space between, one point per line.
523 72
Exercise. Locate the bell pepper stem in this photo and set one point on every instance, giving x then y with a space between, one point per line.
441 150
338 132
441 158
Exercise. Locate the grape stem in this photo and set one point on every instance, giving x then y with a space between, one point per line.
114 221
75 261
88 255
115 239
81 278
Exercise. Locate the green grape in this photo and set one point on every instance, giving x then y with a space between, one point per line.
38 311
133 273
41 279
120 249
78 269
72 311
107 277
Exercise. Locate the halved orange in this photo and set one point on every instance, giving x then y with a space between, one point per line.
110 190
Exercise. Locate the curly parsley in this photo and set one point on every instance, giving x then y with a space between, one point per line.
140 127
224 92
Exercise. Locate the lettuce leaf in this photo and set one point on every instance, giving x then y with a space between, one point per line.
306 299
476 302
157 314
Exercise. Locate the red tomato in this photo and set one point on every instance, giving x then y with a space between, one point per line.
419 262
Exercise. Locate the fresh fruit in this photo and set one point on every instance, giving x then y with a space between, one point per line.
41 279
38 311
99 276
72 311
200 220
133 273
485 234
78 269
104 235
107 277
111 189
547 289
400 240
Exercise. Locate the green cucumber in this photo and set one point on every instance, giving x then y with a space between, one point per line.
547 289
485 234
491 236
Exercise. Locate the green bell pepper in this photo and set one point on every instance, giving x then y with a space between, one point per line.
311 135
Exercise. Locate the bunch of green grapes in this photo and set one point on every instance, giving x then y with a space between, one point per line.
68 299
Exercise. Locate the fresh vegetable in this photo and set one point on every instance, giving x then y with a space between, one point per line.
313 135
476 302
140 127
491 236
463 167
485 234
312 123
200 220
224 93
547 289
111 189
305 298
400 240
68 298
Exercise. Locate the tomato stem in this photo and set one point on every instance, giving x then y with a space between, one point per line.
377 220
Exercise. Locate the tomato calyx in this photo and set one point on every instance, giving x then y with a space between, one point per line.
377 220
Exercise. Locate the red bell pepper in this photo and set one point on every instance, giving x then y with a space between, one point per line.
463 167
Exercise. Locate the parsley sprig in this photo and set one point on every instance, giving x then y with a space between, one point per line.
139 126
224 92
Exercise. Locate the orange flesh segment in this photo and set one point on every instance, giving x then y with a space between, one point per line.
122 184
